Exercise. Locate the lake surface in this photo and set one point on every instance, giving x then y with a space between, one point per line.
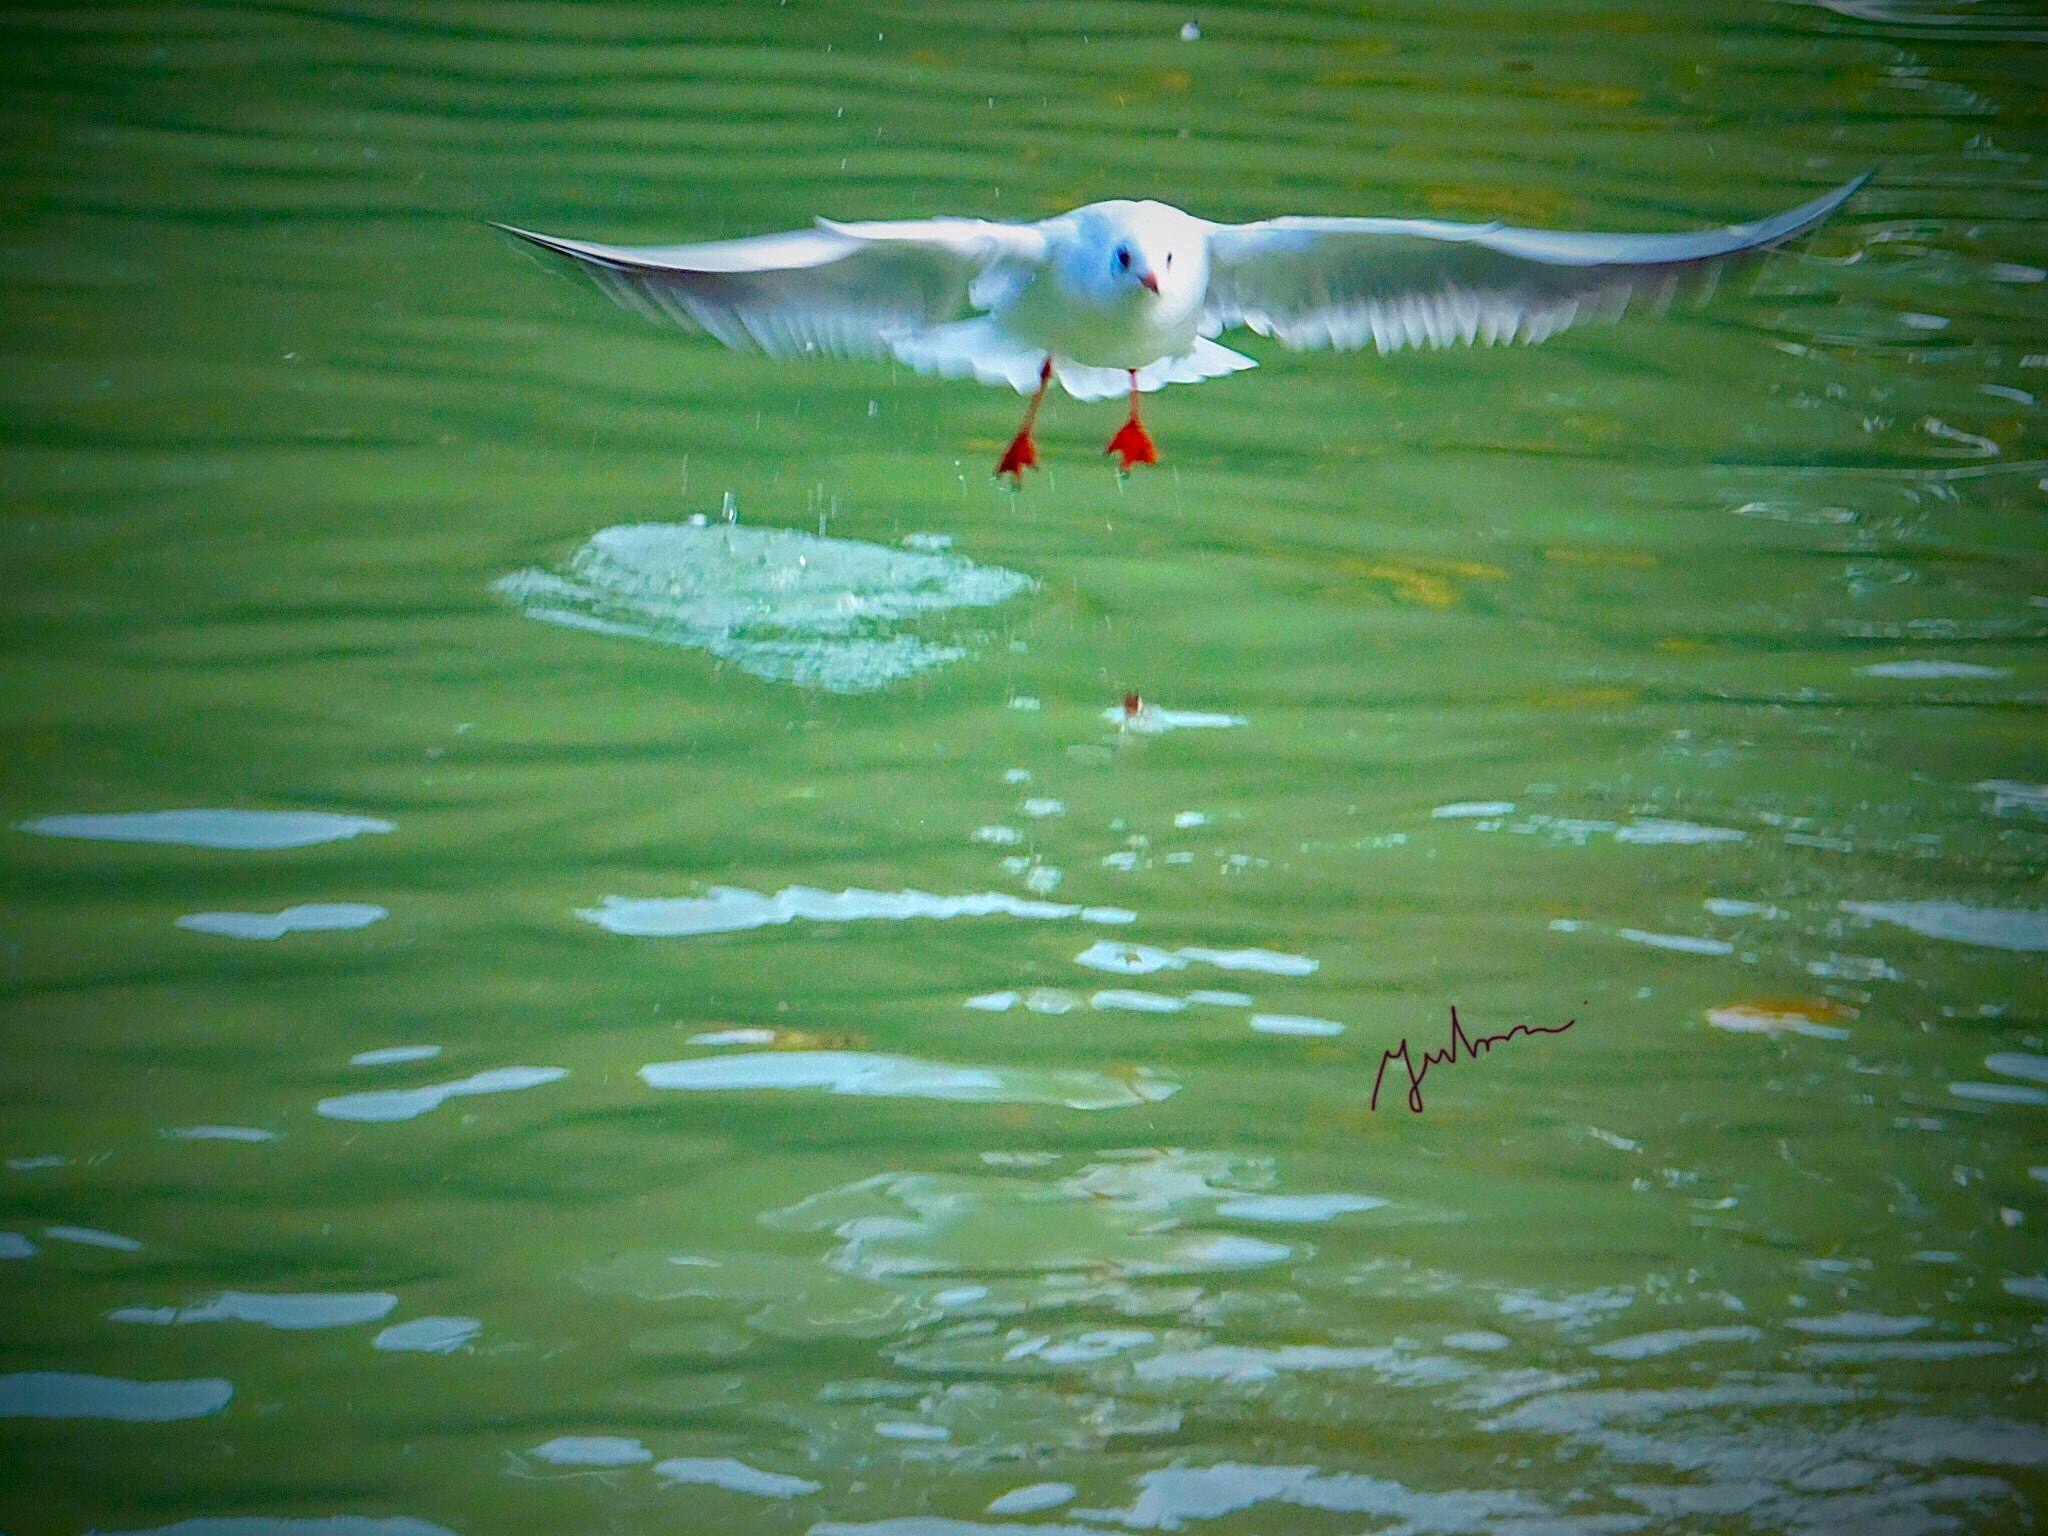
526 1014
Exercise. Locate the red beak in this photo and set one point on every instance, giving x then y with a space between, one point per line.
1149 281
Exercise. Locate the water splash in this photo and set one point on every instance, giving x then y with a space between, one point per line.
784 606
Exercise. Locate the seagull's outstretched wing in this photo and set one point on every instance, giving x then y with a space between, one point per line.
845 290
1397 283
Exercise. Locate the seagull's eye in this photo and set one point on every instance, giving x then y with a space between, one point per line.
1169 258
1123 257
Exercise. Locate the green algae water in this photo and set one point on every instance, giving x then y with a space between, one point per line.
589 944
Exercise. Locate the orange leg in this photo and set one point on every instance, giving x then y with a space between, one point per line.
1132 441
1023 452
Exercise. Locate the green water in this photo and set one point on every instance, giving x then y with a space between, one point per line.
281 414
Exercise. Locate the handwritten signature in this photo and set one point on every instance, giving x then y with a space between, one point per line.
1449 1056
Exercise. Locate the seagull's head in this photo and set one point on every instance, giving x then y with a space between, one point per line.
1142 253
1130 264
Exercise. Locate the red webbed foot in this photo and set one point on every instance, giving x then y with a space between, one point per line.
1134 443
1021 455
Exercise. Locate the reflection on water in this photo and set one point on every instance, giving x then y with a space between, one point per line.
429 1335
592 1451
278 1525
325 917
92 1237
73 1395
272 1311
248 830
902 1077
728 909
411 1103
735 1476
220 1133
1990 926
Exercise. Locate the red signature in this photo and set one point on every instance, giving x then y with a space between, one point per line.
1449 1056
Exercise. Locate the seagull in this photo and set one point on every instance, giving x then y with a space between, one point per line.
1130 296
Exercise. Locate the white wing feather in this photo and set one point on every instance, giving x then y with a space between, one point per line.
844 290
1317 282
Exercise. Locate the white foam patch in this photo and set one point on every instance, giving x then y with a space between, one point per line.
1221 999
219 1133
243 830
428 1335
592 1451
410 1103
74 1395
730 909
1683 943
321 917
993 1002
308 1310
2020 928
1294 1024
784 606
1297 1208
735 1476
1914 670
2032 1287
1650 829
1646 1346
1144 959
16 1245
866 1075
1463 809
392 1055
1151 720
93 1237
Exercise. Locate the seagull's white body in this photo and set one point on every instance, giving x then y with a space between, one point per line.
1123 295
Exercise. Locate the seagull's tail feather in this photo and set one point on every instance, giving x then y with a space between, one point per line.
1206 361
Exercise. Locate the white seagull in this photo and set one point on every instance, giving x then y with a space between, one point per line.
1127 295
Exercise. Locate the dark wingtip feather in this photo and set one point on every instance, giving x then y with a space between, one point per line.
549 243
